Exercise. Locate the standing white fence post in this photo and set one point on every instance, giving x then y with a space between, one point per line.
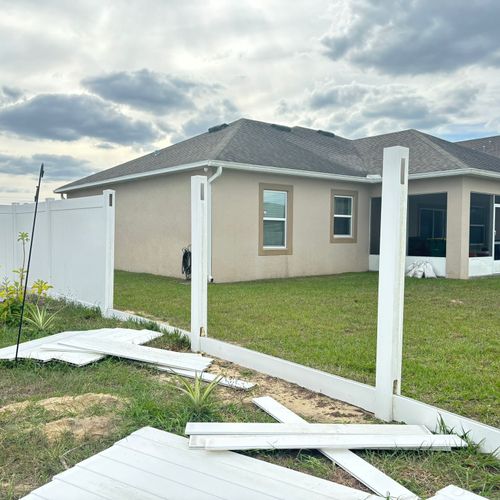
109 214
391 279
199 259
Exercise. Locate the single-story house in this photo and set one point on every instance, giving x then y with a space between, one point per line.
292 201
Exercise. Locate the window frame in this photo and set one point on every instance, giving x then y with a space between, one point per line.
272 250
341 238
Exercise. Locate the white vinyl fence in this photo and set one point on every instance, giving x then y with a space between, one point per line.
385 399
73 246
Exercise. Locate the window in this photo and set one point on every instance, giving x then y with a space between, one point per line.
480 229
343 224
275 220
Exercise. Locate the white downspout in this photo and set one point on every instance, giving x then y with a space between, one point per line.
211 179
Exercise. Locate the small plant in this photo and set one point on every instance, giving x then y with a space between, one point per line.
12 292
199 396
39 317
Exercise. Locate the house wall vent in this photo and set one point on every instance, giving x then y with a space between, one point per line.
218 127
283 128
326 133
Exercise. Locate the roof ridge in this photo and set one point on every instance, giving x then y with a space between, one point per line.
438 148
221 146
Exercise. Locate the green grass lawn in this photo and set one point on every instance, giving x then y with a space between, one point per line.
451 337
28 459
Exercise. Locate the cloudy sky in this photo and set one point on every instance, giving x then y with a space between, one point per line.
85 85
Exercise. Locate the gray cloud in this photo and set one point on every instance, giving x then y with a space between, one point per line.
147 90
422 36
104 145
9 94
55 166
358 109
68 117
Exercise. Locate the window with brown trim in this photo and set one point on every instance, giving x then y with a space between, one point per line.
344 216
275 219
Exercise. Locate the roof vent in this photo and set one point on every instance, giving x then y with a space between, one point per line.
218 127
283 128
326 133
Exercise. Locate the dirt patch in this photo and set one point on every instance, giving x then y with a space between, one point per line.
80 428
68 404
309 405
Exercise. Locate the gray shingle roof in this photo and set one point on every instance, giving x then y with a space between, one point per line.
260 143
488 145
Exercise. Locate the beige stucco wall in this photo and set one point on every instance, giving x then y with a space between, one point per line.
458 190
153 225
153 222
235 251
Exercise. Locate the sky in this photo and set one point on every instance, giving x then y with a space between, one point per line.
86 85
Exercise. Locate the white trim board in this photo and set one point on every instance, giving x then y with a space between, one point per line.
314 441
151 355
223 428
362 470
155 464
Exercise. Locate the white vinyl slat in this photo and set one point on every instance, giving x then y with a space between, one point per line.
153 484
314 441
254 483
233 383
63 491
99 484
453 492
362 470
245 429
139 353
258 467
186 469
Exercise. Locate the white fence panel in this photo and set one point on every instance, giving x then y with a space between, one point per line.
73 247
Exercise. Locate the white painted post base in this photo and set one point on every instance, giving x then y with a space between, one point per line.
391 279
199 259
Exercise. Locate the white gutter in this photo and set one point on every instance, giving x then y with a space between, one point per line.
452 173
211 179
369 179
133 177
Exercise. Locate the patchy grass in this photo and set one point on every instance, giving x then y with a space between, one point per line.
28 458
451 336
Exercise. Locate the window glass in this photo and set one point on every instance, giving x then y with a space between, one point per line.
274 233
343 205
275 204
342 226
